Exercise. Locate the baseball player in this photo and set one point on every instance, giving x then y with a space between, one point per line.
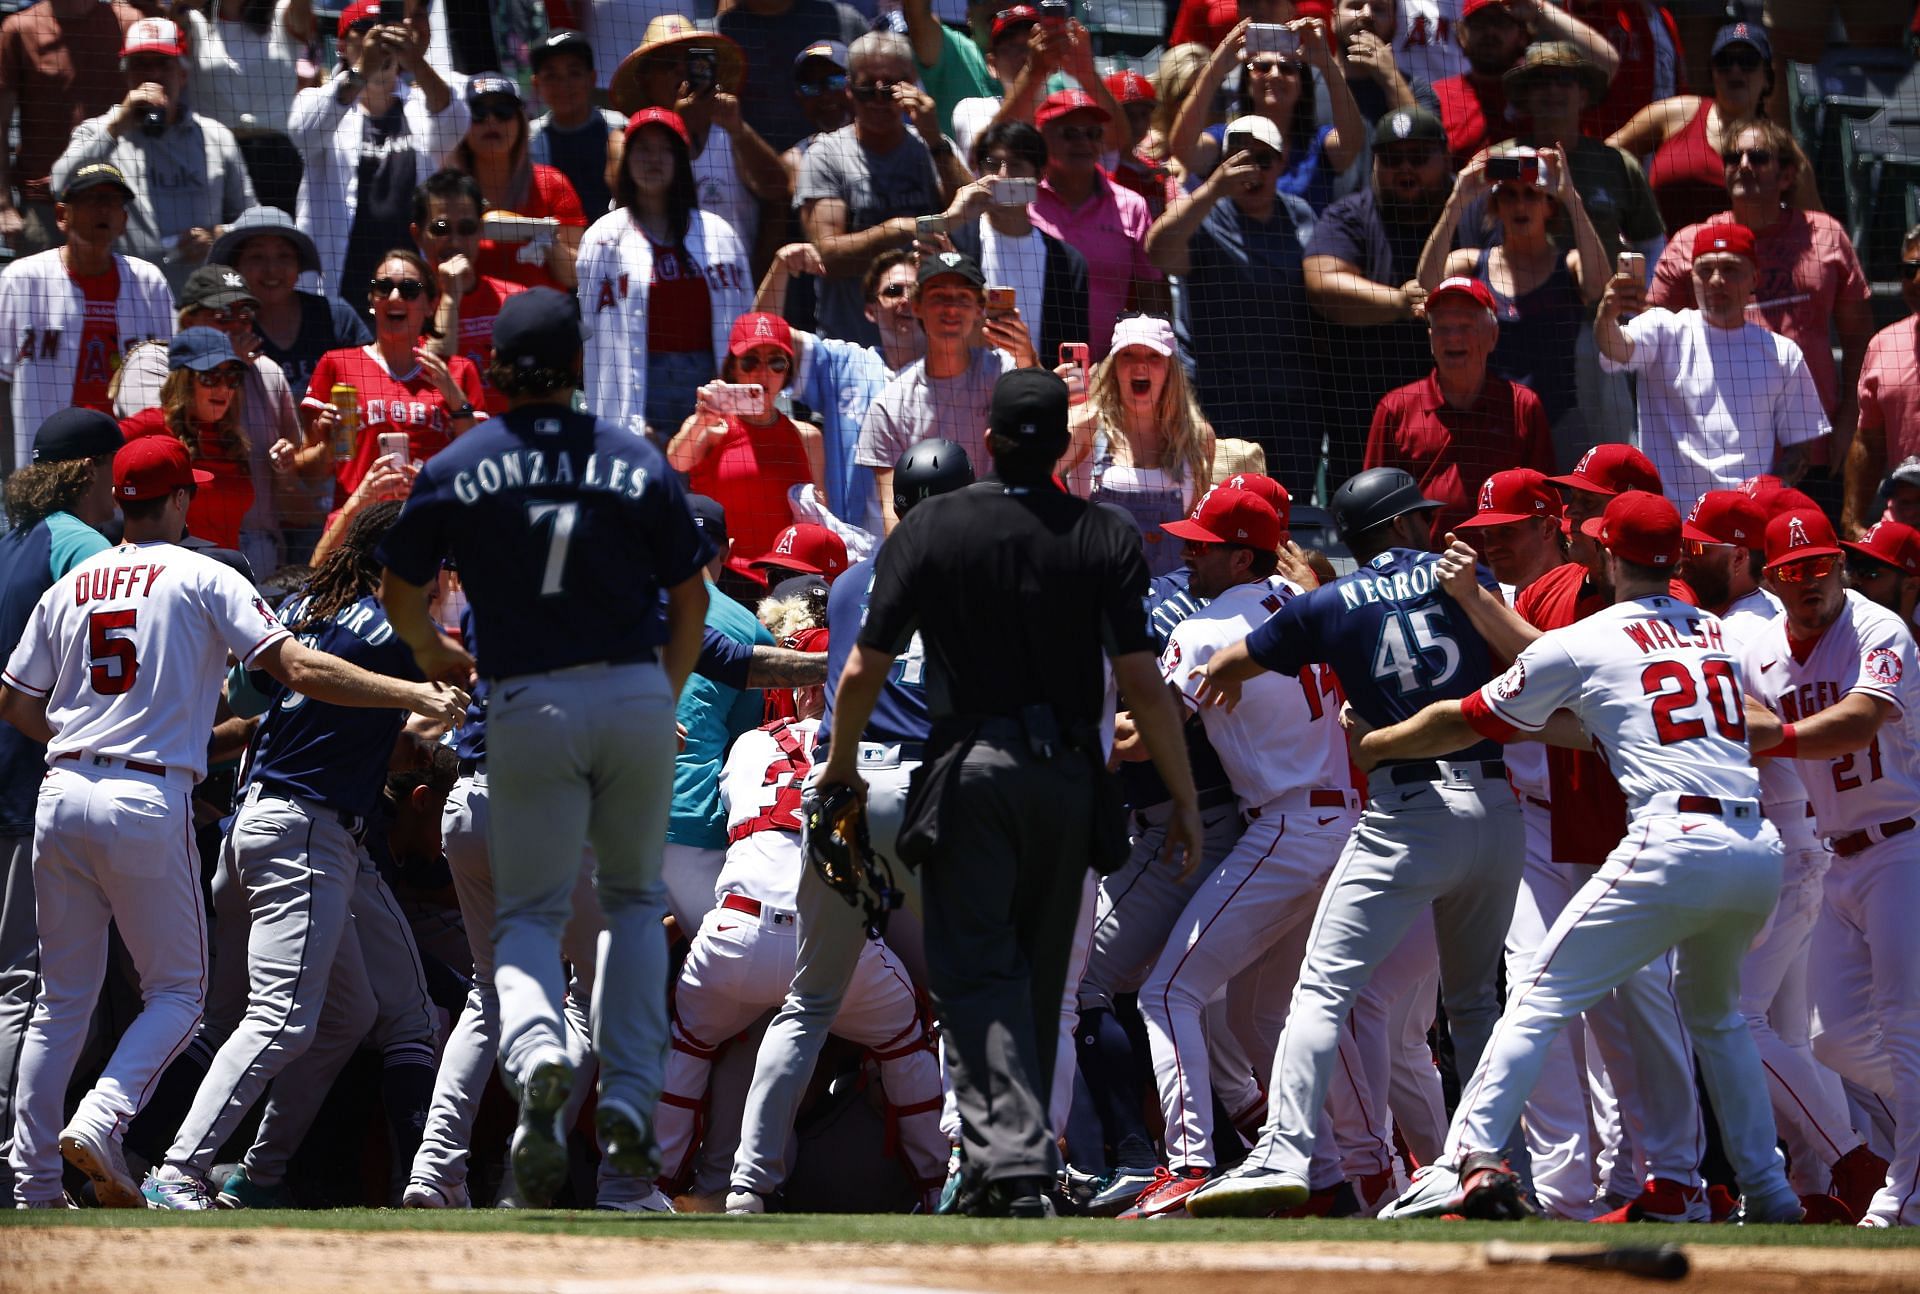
743 956
1444 835
569 533
118 671
830 939
68 314
1653 685
1840 672
314 778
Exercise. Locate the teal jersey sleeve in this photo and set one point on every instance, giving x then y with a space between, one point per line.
73 542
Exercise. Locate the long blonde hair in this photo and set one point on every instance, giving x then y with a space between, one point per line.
1184 429
176 405
1179 68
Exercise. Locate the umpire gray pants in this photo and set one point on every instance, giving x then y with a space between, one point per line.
576 756
19 979
1003 894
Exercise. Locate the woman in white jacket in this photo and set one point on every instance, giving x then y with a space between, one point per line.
661 283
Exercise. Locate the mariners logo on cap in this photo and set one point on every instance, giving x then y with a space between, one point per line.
1797 534
1402 124
232 280
950 259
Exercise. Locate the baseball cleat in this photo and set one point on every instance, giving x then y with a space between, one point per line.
1858 1176
741 1202
654 1201
1167 1196
1664 1200
1121 1190
240 1191
168 1187
1785 1207
64 1202
432 1195
101 1160
626 1139
539 1154
1248 1193
1481 1187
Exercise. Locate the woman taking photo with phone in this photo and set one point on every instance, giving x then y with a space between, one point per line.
494 152
200 407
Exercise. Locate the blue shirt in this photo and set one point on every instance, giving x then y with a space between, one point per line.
1395 640
565 529
900 713
713 714
335 755
32 558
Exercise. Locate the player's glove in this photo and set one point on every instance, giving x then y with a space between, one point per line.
833 834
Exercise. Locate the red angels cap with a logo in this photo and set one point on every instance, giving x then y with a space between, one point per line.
1639 527
1228 516
1611 469
1774 496
1729 517
1736 240
1270 490
1463 291
758 328
1795 536
804 546
1514 495
148 467
1891 542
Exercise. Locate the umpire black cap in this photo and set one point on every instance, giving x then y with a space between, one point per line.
932 466
1375 497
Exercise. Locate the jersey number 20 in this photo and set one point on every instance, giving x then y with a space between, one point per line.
1675 692
111 665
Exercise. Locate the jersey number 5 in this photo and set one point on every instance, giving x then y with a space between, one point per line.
1674 690
110 660
562 515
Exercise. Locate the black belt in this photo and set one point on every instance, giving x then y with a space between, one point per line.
1854 841
1428 770
353 824
473 767
1211 798
1011 731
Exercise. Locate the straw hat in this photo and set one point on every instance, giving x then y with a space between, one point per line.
674 35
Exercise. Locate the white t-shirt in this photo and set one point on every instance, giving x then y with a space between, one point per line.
1656 687
130 648
1017 263
1868 650
1284 736
1426 44
242 78
760 785
1717 404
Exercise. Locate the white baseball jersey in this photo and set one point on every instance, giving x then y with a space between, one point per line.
1868 650
1745 622
43 315
1285 734
1656 688
1527 760
760 784
130 648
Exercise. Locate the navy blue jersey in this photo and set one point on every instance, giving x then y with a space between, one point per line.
901 712
1168 603
1396 641
470 739
335 755
565 529
724 660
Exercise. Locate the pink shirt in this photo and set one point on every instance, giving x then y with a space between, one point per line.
1806 264
1110 230
1890 387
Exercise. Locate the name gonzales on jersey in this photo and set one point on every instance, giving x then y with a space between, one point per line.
531 468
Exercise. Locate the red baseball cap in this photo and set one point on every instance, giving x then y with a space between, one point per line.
1639 527
758 328
1462 289
1270 490
1729 517
1891 542
1061 102
1130 87
1229 516
1737 239
1516 494
1774 496
1014 16
1472 7
804 546
150 467
659 117
160 36
1802 533
362 11
1612 469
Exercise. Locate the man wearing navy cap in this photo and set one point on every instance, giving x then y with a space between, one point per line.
572 135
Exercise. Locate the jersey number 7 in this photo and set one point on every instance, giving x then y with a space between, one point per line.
111 665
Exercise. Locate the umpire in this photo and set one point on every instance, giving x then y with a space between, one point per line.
1016 589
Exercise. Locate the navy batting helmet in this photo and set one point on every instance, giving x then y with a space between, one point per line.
931 467
1374 497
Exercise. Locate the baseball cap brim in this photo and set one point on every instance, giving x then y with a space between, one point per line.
1868 553
1191 529
1591 528
1494 517
1815 550
1575 481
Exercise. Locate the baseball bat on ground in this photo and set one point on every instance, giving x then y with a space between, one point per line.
1664 1263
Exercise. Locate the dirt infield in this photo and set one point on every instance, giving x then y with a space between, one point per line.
36 1260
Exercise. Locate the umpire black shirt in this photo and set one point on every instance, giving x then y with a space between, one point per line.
1016 593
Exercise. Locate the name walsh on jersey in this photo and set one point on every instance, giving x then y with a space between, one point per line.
518 469
1659 635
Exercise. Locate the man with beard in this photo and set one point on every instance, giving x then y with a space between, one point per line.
1360 268
1493 34
1363 32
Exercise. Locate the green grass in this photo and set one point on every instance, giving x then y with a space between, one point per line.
804 1228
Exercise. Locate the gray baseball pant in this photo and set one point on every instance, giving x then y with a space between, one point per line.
19 978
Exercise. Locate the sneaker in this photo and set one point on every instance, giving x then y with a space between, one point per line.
626 1140
1481 1187
1167 1195
241 1192
539 1153
1247 1192
950 1189
64 1202
654 1201
741 1202
1786 1209
101 1160
432 1195
1120 1191
1008 1197
1858 1176
168 1187
1664 1200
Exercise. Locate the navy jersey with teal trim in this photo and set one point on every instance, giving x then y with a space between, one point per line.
1168 603
900 714
335 755
565 529
470 739
1397 642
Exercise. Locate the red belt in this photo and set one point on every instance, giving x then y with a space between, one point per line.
1854 841
158 770
1698 804
741 903
1321 799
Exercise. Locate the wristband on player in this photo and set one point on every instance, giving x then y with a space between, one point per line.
1789 745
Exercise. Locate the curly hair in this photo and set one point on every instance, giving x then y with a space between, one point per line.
176 406
39 490
785 617
351 571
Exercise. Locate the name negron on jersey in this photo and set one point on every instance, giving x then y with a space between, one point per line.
1657 635
520 468
1360 588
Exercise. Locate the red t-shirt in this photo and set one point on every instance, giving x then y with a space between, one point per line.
550 195
1452 451
99 352
749 473
214 514
1630 26
1688 180
1589 810
408 402
1204 22
478 309
1474 111
679 311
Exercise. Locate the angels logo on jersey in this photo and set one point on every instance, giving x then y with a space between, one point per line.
1512 683
1882 664
266 612
1170 661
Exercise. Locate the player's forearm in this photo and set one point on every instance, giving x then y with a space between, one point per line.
407 611
1499 624
1837 730
686 616
326 677
27 713
1233 664
1158 720
1440 729
785 667
853 701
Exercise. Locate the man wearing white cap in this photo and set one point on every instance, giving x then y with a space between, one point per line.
185 170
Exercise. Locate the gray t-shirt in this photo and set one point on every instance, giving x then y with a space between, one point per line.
914 407
876 187
771 42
